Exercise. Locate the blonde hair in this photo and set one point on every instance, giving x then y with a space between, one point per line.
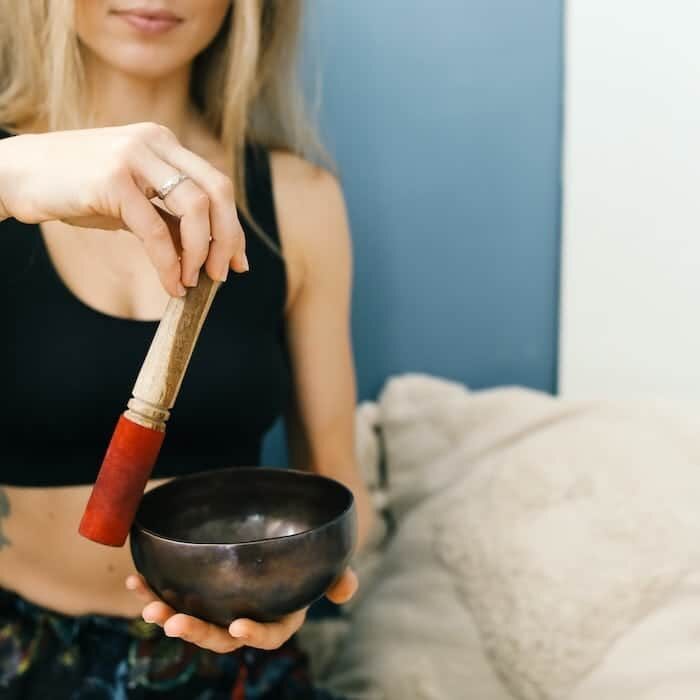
245 82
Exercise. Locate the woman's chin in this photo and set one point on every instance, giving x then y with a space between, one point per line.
150 63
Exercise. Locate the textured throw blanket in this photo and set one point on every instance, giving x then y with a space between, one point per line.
545 550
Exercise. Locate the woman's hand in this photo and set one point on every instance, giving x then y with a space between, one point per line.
105 178
240 632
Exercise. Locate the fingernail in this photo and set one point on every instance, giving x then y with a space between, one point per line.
131 584
147 618
195 279
181 291
236 632
243 264
224 275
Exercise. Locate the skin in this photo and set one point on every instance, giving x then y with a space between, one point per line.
120 254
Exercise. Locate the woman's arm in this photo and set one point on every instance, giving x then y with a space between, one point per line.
315 235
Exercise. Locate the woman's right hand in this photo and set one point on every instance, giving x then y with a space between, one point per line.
105 178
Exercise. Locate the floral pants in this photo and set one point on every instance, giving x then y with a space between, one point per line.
48 656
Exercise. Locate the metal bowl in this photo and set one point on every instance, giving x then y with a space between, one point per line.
244 542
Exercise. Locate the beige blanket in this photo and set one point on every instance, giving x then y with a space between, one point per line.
546 550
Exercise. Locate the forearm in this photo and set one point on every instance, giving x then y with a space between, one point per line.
349 474
334 457
366 515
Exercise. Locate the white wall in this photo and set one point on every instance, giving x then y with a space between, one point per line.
630 315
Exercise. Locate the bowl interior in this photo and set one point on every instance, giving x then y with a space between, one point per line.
239 504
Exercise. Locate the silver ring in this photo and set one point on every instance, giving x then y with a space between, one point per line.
169 185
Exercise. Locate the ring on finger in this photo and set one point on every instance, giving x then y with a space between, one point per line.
170 184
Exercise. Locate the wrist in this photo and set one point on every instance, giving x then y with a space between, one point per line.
6 158
367 519
15 172
4 213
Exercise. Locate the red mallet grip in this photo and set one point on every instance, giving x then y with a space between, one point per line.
130 457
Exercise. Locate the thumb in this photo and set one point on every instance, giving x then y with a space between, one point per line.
343 588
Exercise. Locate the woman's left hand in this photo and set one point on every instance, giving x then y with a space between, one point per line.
241 632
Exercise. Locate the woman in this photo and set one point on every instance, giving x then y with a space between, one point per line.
105 103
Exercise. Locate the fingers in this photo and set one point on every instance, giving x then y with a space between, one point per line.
175 624
273 635
157 612
154 610
191 204
210 232
242 632
201 633
136 584
342 590
269 635
193 208
173 224
228 244
143 220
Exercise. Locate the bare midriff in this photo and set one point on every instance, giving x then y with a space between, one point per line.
46 561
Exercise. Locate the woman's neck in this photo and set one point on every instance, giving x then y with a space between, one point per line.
118 98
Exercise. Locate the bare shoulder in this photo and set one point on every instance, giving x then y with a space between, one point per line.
300 178
311 216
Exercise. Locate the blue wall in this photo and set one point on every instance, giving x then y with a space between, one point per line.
444 117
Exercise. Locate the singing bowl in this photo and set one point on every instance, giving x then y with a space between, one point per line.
243 542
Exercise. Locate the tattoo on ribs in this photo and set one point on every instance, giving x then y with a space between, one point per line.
4 513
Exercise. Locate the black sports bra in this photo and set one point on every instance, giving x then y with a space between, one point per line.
67 370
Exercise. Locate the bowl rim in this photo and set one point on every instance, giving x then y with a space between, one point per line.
137 525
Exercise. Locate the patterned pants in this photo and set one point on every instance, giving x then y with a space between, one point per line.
48 656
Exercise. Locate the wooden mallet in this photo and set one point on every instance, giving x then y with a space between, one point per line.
139 434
